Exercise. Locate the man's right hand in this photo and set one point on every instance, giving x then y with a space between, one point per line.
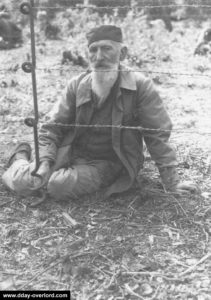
45 172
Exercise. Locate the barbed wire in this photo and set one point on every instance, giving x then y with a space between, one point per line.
107 7
120 127
116 7
158 72
77 70
160 15
139 128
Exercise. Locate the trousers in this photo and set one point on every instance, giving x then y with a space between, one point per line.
82 177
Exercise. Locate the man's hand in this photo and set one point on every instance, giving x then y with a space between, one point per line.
186 187
45 172
172 183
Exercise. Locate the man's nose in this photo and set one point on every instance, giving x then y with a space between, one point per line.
99 54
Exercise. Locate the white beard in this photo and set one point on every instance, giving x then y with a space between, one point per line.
102 82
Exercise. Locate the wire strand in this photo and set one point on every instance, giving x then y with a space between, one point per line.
160 15
75 70
124 7
138 128
116 7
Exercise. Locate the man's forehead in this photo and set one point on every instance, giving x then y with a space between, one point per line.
103 43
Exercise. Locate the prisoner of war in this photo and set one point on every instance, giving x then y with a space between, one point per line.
76 161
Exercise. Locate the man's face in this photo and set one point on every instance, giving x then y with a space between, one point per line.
104 54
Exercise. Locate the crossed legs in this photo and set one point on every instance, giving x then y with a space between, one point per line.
83 177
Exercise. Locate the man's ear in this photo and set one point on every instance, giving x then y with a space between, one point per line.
123 53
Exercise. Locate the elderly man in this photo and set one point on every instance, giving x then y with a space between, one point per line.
78 160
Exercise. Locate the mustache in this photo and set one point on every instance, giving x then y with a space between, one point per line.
101 64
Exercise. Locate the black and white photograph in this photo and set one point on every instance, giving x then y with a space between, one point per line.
105 149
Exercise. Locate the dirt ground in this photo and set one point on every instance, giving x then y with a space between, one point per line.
143 244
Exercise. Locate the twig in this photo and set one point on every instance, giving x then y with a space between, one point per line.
46 237
180 206
108 259
111 281
194 266
132 292
77 242
155 294
134 200
151 274
68 218
101 271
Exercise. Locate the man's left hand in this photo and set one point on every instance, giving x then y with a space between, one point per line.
186 187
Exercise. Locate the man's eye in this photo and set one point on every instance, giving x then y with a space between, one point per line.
106 48
92 49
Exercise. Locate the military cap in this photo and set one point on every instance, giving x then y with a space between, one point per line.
104 32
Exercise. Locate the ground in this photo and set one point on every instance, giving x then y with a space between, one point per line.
143 244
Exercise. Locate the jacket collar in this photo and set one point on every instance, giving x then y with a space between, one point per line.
127 79
84 91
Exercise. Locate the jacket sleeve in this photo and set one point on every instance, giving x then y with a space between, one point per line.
153 115
51 135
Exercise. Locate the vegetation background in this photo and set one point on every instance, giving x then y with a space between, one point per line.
144 244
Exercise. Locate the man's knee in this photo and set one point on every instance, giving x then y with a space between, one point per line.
61 183
18 177
74 182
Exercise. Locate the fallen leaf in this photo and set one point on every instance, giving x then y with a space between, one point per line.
146 289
